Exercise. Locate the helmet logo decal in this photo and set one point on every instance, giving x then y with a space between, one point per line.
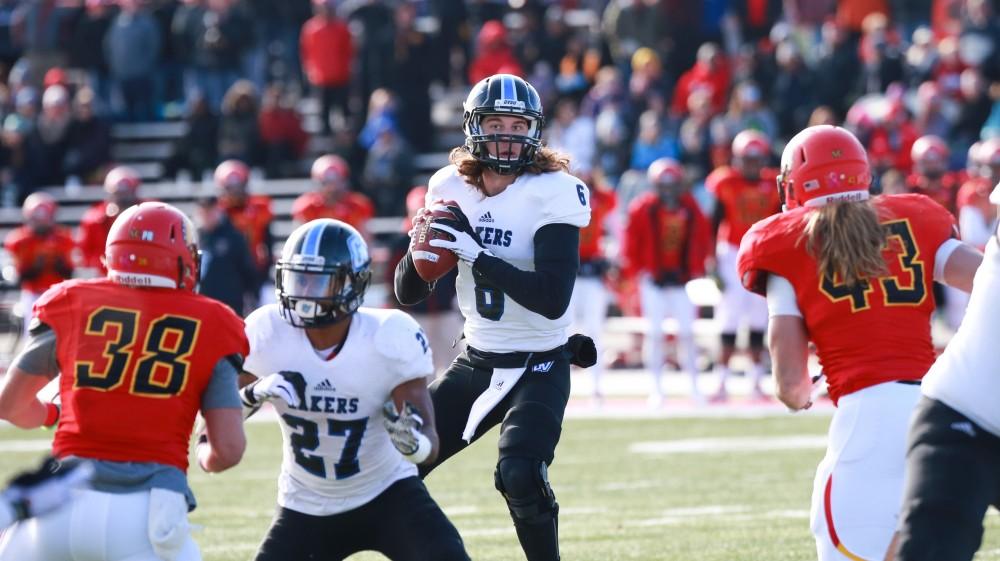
147 236
833 178
811 185
837 153
359 252
502 104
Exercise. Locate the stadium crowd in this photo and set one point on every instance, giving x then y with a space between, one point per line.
624 83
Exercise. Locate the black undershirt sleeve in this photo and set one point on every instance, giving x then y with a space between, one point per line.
410 288
547 289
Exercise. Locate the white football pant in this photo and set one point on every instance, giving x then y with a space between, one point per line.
100 526
737 303
589 304
858 488
659 303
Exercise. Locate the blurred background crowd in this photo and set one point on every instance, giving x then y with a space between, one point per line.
263 87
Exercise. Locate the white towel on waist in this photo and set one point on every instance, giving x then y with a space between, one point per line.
502 380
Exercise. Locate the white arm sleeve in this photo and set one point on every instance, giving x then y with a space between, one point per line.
973 226
941 257
781 297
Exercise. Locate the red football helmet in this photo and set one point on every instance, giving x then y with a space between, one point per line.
39 208
122 180
665 171
930 155
232 175
751 152
330 169
821 164
153 244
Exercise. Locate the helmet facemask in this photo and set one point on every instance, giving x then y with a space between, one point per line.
504 153
313 294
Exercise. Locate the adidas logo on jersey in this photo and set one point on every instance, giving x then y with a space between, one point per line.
325 386
486 218
494 236
543 367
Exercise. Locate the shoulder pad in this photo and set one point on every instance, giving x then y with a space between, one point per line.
400 339
718 178
769 246
566 199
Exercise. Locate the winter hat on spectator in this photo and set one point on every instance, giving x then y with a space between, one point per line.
26 96
54 76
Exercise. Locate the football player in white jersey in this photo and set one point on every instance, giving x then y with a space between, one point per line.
349 385
516 234
953 457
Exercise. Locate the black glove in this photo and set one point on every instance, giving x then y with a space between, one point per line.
47 488
582 350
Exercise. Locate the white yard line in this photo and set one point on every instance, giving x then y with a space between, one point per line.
734 444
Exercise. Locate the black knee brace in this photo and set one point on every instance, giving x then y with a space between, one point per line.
524 484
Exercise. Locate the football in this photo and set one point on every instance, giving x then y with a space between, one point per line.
431 262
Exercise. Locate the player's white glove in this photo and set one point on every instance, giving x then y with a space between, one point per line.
285 385
47 488
467 245
404 431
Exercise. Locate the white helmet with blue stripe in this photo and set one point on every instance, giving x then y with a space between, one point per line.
323 273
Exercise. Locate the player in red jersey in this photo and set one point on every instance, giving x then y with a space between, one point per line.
744 194
140 354
40 249
665 245
334 198
853 275
930 171
252 216
589 301
121 187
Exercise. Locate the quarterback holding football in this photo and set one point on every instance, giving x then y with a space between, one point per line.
349 384
509 211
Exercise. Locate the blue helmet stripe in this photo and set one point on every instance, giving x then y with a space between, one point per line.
507 89
311 245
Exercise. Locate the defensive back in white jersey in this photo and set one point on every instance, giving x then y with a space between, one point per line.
337 454
506 224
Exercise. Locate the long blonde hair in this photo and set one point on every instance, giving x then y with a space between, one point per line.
546 160
846 239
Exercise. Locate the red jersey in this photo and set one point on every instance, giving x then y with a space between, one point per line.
602 203
353 208
94 228
944 192
877 331
135 362
744 202
665 241
253 220
28 248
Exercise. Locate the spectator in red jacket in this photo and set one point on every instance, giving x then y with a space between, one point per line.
665 245
711 73
327 52
494 54
282 139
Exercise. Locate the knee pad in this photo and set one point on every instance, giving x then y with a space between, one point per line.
728 340
757 340
524 484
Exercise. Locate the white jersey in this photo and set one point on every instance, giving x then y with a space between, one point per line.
337 454
507 223
966 377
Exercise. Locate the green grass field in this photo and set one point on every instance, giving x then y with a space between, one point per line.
722 497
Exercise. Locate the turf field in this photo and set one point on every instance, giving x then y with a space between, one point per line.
714 488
